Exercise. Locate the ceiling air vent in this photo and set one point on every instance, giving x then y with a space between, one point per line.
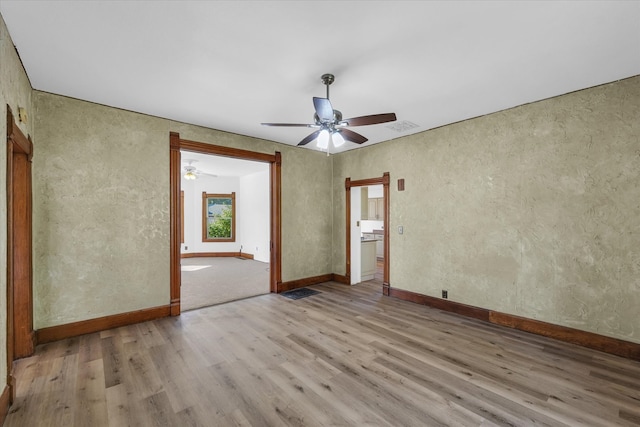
401 126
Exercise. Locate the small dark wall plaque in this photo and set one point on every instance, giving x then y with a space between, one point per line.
401 184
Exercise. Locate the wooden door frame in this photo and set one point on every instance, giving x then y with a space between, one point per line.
275 183
384 181
20 334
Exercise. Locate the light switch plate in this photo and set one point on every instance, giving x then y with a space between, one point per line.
22 115
400 229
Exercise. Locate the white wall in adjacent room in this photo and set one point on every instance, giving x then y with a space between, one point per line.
255 219
375 191
252 213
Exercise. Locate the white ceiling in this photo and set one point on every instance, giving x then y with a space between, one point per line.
221 166
231 65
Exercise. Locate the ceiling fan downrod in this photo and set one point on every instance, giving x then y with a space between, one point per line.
327 79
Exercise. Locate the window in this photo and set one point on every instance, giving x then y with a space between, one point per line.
218 217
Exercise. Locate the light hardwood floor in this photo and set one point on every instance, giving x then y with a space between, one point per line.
345 357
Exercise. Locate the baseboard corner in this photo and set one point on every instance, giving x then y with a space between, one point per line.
340 278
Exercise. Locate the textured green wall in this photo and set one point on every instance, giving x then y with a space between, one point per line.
15 91
101 208
532 211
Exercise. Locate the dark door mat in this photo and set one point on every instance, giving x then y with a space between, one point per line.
299 293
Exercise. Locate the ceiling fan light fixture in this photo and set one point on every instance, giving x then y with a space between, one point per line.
323 139
337 139
189 175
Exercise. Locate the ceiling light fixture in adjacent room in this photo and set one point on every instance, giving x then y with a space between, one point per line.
191 172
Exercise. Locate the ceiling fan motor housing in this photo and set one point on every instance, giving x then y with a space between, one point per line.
337 117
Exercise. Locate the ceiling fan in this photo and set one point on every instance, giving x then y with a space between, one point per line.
190 171
331 125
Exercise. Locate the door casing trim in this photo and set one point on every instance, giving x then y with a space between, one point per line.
177 145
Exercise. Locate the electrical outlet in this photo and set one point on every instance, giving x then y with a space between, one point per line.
445 294
186 248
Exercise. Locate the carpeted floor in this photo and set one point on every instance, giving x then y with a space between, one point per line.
215 280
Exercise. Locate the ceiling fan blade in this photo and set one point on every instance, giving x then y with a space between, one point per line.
309 138
370 120
352 136
289 125
324 110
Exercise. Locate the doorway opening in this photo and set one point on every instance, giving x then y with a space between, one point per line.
372 231
190 148
225 229
367 230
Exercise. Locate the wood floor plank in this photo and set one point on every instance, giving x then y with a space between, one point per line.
238 419
303 401
243 394
91 402
149 334
89 347
142 377
176 377
112 358
120 408
191 417
346 356
312 376
62 384
26 411
158 412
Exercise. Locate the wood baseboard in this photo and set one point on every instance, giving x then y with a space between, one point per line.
55 333
586 339
301 283
386 289
591 340
215 254
340 279
175 307
6 399
441 304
